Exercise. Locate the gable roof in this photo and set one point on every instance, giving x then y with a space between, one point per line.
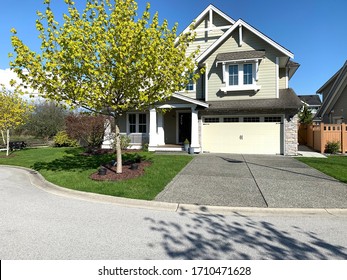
311 100
237 24
333 77
206 12
338 79
190 100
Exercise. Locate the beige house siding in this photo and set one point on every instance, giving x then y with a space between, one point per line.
202 41
205 39
266 72
282 78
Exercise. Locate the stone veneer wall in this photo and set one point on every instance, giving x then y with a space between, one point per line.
291 135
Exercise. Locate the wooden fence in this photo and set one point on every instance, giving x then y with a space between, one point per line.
316 136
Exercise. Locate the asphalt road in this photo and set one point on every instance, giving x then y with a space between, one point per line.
36 224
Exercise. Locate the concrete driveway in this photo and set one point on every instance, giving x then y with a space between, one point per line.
254 181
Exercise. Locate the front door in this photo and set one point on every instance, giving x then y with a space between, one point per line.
184 127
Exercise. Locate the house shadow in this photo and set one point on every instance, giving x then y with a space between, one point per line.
212 236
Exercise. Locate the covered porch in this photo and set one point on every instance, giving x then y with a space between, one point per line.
174 121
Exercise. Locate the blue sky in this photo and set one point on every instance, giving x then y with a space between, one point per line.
314 30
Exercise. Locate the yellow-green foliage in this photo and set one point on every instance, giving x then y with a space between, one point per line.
63 140
105 57
13 109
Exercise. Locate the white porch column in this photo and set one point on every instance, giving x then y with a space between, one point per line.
161 134
153 128
108 136
194 143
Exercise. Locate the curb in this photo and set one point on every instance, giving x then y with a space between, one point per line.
37 180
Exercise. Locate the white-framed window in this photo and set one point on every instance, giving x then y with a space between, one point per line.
191 85
233 75
132 123
137 123
247 74
240 76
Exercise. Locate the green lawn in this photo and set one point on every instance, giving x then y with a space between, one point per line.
334 166
66 167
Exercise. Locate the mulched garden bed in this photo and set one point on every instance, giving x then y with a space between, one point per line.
128 173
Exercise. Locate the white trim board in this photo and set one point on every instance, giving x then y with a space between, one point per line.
237 24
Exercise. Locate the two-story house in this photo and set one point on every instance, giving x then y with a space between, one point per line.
241 104
334 93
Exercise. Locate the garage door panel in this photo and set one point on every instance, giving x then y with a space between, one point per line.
246 138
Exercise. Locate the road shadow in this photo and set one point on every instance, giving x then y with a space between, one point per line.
213 236
282 169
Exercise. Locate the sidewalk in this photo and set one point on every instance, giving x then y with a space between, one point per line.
307 152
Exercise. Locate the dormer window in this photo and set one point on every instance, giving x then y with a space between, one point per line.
240 74
233 75
247 74
240 70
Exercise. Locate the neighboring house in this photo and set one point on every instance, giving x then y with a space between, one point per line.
312 102
242 104
334 93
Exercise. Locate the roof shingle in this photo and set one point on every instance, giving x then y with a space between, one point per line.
240 55
287 101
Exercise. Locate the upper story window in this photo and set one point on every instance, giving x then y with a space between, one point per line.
233 75
240 74
240 70
247 74
190 85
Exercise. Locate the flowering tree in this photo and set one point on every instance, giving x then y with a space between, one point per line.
13 112
105 59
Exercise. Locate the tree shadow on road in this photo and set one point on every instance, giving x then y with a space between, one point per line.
213 236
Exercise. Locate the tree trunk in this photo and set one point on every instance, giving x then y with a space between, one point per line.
118 147
8 142
3 137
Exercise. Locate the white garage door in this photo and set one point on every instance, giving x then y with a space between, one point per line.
242 137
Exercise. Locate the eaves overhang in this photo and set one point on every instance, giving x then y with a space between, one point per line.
238 24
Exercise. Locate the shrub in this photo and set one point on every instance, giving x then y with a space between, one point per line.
145 147
332 147
63 140
87 129
124 142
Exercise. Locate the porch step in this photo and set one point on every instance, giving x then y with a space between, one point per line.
167 148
